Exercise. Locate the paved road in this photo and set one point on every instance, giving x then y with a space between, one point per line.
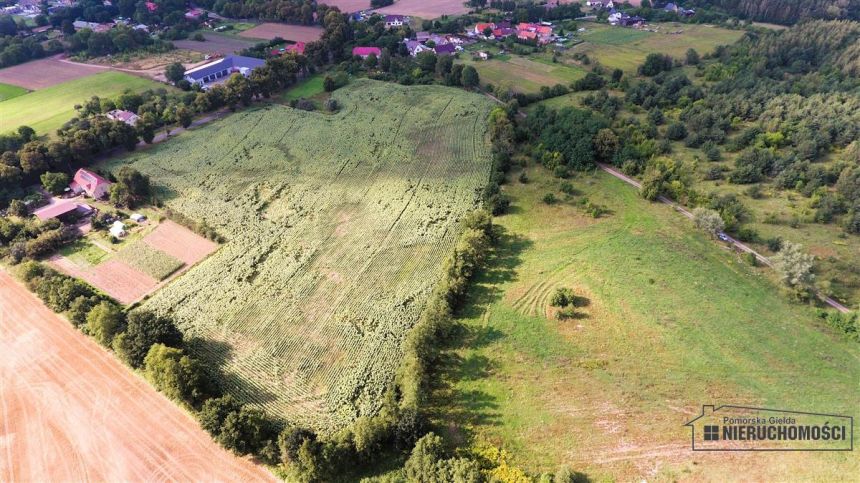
738 244
70 411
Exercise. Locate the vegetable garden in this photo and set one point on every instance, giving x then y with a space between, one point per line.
336 227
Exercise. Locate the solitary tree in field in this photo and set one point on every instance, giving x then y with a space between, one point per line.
174 72
708 221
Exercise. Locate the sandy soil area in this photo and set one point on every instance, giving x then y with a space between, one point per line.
42 73
180 242
72 412
426 9
298 33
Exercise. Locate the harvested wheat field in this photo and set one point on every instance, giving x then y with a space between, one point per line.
426 9
349 6
42 73
297 33
72 412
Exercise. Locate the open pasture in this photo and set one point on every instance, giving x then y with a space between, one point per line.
524 74
336 228
8 91
297 33
47 109
626 48
349 6
666 320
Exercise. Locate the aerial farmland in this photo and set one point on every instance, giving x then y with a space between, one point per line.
336 225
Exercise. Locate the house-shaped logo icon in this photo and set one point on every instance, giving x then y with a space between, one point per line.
742 428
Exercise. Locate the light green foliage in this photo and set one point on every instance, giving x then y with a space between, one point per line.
708 220
103 322
47 109
149 260
336 228
794 265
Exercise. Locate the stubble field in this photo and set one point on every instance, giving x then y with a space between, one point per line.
336 227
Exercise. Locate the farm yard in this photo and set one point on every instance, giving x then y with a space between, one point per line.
42 73
336 228
666 320
47 109
626 48
139 265
216 43
524 74
297 33
425 9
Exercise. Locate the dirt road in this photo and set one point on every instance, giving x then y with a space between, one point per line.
70 411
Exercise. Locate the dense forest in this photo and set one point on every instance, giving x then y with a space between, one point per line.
785 11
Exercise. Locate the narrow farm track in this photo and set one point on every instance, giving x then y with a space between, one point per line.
734 242
71 411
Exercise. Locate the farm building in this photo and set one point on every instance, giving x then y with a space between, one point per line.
127 117
93 185
444 49
59 207
365 52
94 26
221 69
395 20
415 47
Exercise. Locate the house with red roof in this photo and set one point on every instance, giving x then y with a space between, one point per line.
59 207
127 117
479 28
85 181
364 52
151 6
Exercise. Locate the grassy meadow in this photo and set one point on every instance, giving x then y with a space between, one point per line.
47 109
306 89
524 74
8 91
626 48
667 320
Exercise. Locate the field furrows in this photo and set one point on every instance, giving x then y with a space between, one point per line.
336 225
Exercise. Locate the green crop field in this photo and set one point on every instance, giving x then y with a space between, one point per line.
336 228
149 260
8 91
625 48
525 74
668 320
45 110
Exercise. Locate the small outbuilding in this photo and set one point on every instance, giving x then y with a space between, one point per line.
117 229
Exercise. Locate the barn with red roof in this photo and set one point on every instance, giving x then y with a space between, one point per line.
85 181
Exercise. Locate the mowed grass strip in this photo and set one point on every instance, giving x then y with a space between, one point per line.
306 89
672 320
149 260
47 109
8 91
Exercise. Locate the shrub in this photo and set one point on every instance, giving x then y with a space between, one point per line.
562 297
104 321
549 198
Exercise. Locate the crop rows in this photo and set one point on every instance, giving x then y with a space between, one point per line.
151 261
336 226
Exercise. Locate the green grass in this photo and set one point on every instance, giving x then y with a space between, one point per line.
149 260
626 49
524 74
673 321
84 253
306 89
8 91
47 109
